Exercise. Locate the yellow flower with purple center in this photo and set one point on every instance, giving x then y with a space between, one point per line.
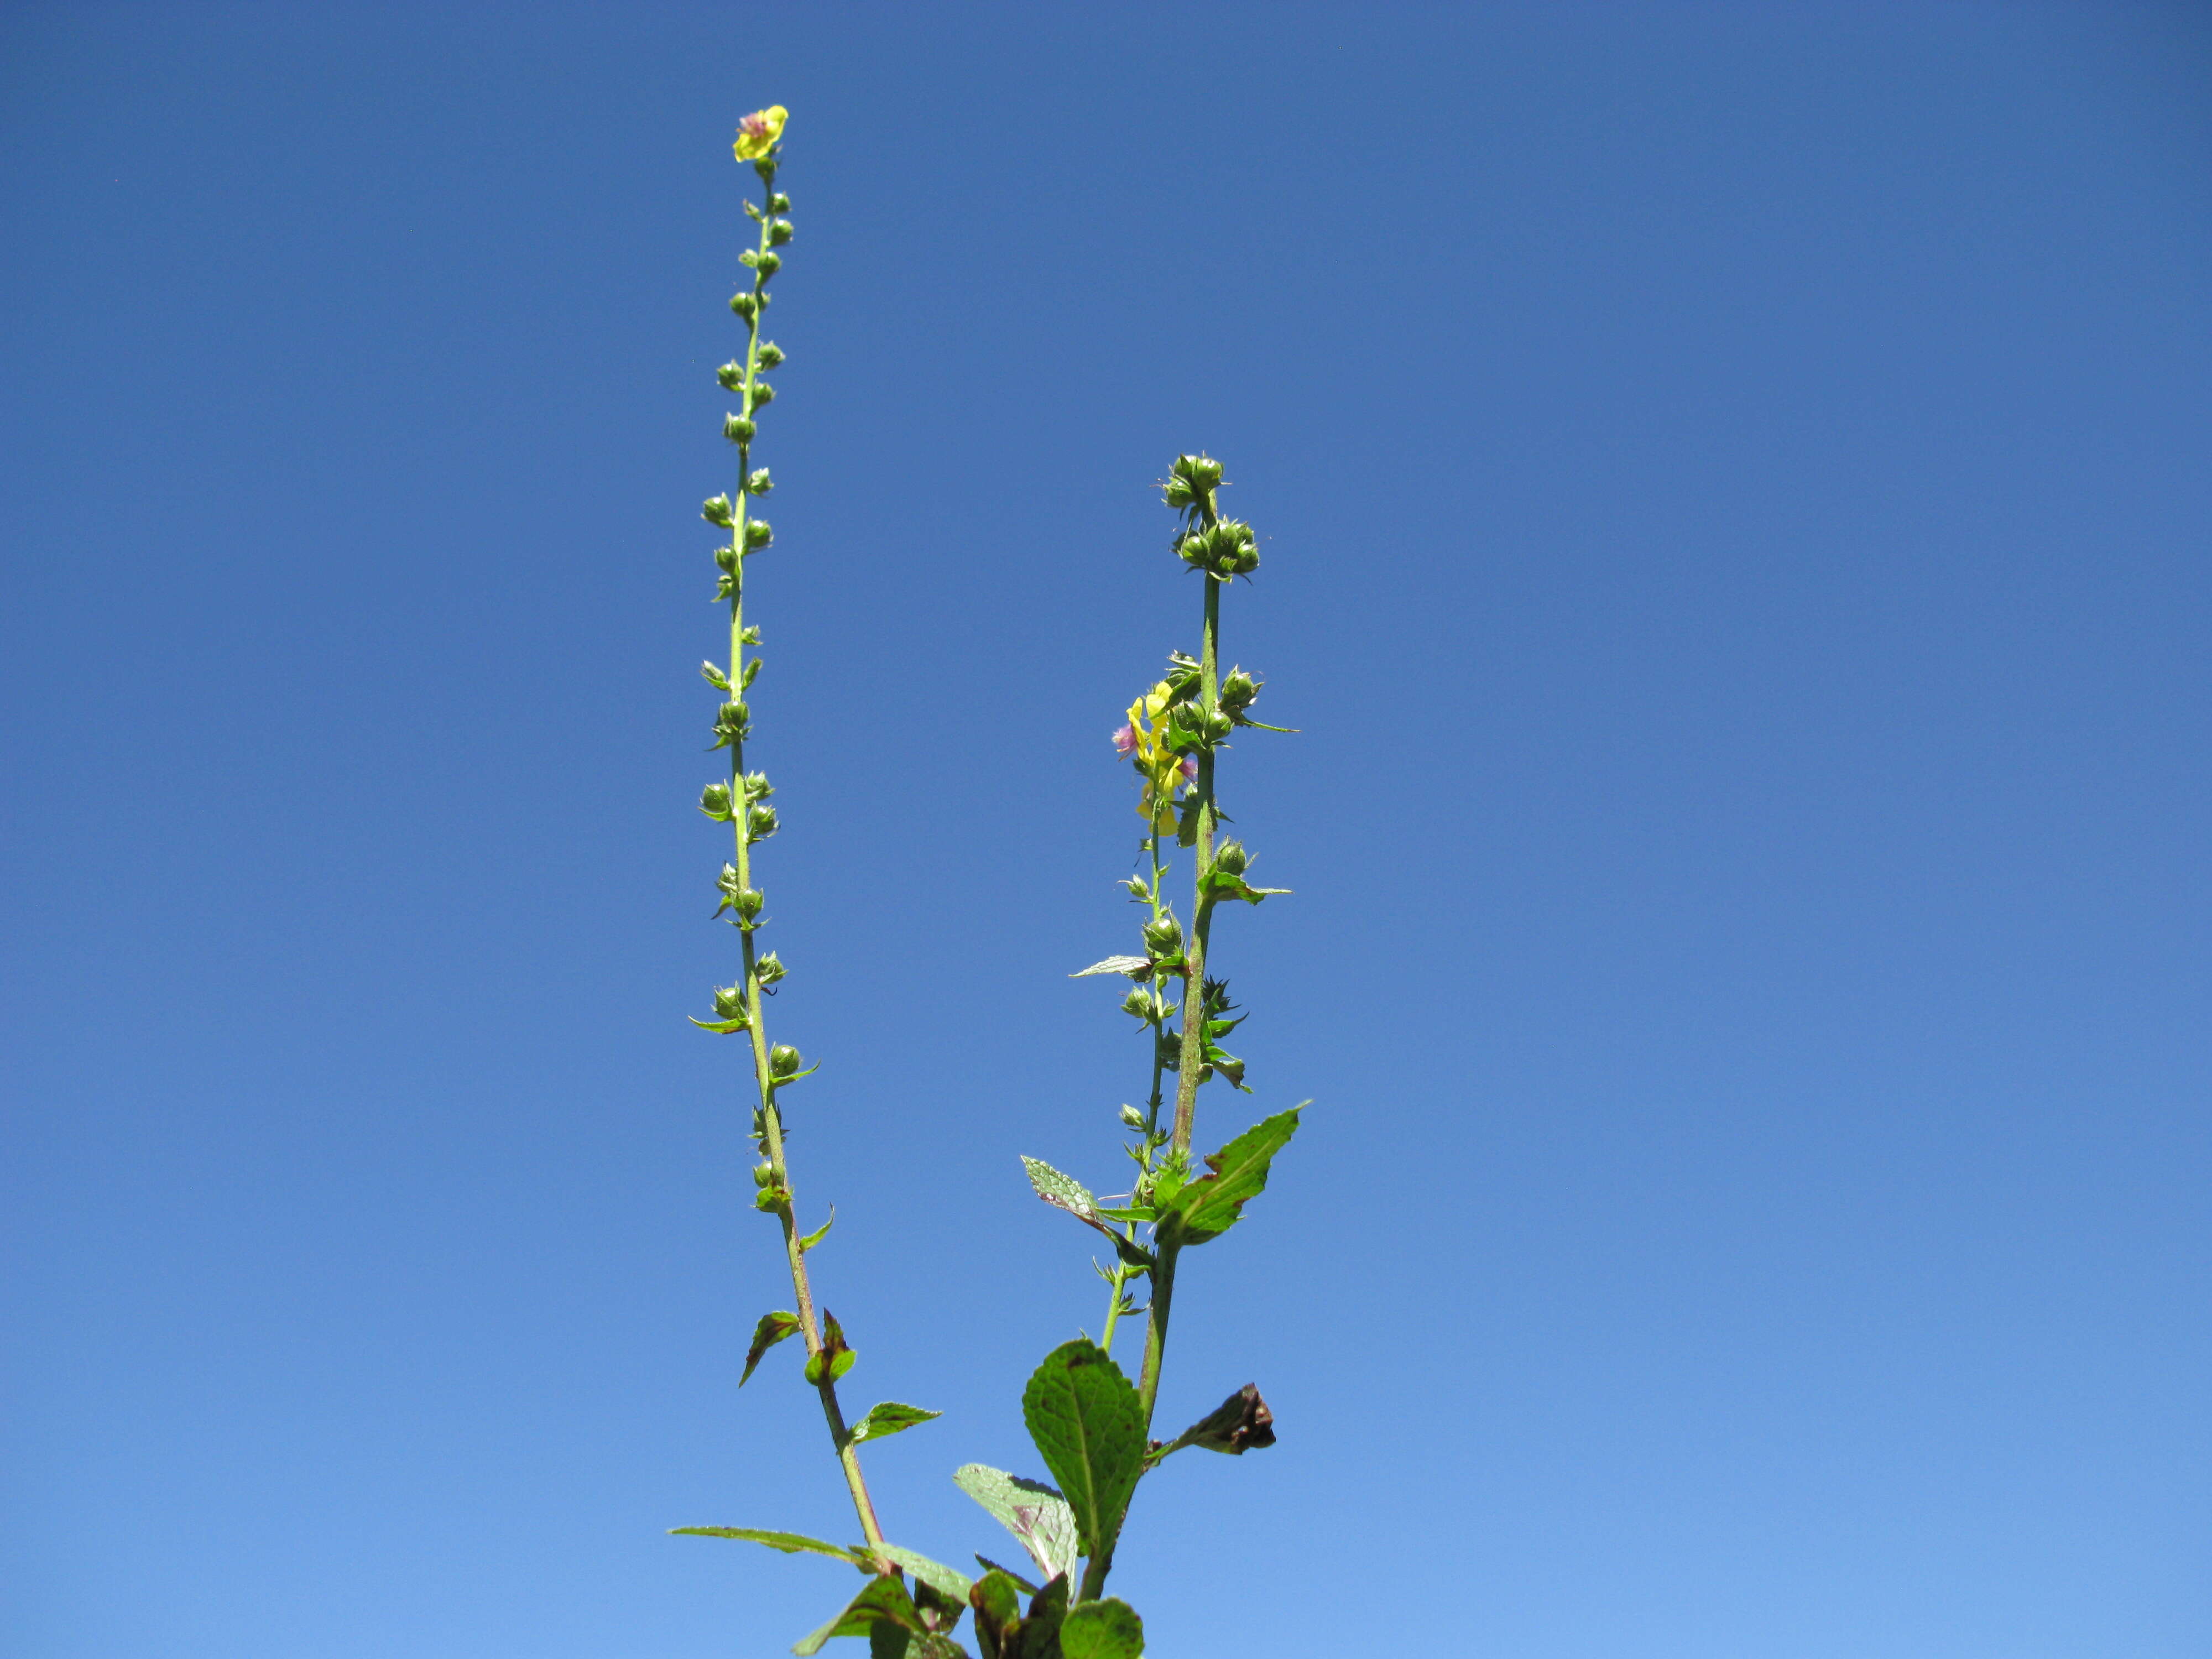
758 132
1144 741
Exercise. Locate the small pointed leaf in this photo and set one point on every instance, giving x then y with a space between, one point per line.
946 1581
1204 1209
772 1329
884 1600
1134 967
790 1543
889 1418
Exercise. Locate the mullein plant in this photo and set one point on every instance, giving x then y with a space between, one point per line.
1091 1425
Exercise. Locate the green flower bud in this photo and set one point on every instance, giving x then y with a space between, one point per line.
763 1174
1138 1005
1219 726
1134 1118
716 510
732 375
758 482
714 802
1238 689
764 394
752 670
782 1060
1230 858
771 354
725 560
779 203
738 430
749 258
713 677
757 787
747 306
733 716
768 263
730 1001
1191 481
768 970
1163 938
766 167
747 903
757 535
760 823
778 232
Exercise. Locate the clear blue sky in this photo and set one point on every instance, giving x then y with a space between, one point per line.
1735 491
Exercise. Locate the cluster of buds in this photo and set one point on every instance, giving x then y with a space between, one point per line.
1222 549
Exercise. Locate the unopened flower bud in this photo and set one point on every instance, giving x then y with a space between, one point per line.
1138 1005
1230 858
1163 938
733 716
732 375
782 1060
716 510
768 970
771 354
730 1000
757 534
1134 1118
1238 688
757 787
748 903
714 802
779 203
725 559
760 823
745 305
778 232
763 1174
758 482
764 394
738 430
768 263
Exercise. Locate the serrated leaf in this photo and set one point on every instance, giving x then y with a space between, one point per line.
998 1607
1134 967
790 1543
1062 1192
884 1600
1101 1630
1206 1208
949 1581
1038 1516
889 1418
1087 1422
773 1328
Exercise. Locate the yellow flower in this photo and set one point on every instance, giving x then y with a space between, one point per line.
1144 740
757 132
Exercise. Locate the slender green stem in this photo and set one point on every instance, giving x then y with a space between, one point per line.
770 1116
1162 1012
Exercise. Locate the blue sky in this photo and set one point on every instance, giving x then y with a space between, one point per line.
1733 491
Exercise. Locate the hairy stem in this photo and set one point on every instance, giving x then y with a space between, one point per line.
770 1116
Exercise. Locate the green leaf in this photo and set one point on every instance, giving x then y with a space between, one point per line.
1038 1516
1087 1421
946 1581
723 1027
1206 1208
773 1328
1134 967
1039 1636
998 1608
820 1232
884 1600
835 1359
889 1417
790 1543
1101 1630
1063 1192
990 1566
